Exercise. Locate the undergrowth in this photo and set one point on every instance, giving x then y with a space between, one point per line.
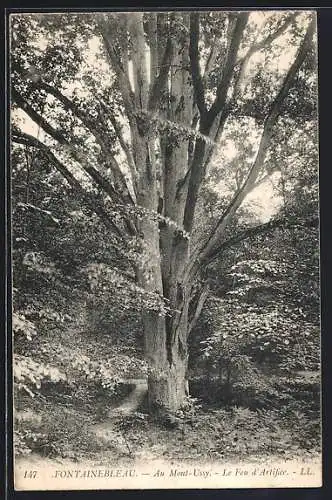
55 426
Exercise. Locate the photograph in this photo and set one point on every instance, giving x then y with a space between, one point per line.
165 283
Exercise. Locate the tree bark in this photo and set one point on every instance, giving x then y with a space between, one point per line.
165 346
167 383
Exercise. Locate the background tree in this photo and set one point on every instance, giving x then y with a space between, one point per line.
132 110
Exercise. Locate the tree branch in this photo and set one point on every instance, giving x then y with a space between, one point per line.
194 63
32 207
89 201
268 40
36 117
243 63
161 80
92 126
270 121
152 32
87 120
261 229
228 69
198 165
101 181
199 306
140 73
123 80
125 147
211 59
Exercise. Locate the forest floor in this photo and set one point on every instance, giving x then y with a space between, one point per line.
84 430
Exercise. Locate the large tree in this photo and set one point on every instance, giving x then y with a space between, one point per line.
131 109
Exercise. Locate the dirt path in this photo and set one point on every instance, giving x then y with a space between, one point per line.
132 402
105 431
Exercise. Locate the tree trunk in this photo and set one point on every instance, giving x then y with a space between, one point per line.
165 250
168 363
167 391
165 337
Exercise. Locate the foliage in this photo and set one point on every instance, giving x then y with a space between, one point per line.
115 221
22 326
30 374
57 434
111 372
276 337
